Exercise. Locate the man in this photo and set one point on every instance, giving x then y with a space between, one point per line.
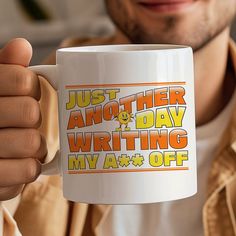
202 24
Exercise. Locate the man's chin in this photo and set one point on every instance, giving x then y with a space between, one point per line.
138 35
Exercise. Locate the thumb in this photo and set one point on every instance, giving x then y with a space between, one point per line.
17 51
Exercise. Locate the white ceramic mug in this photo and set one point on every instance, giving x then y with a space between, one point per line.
127 123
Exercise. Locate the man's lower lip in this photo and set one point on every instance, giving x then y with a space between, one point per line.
168 7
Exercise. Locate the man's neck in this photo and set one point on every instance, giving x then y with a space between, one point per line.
213 86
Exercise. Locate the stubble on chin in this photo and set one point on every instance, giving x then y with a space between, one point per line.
173 30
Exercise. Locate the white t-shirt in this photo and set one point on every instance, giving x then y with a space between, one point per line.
174 218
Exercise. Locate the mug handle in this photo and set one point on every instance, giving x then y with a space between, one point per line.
48 72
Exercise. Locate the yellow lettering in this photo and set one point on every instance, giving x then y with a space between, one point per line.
169 157
110 161
177 114
71 104
76 162
92 160
163 118
181 157
156 159
144 120
83 98
112 93
97 96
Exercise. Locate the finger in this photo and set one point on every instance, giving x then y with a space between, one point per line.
17 51
42 151
24 143
19 112
7 193
18 81
18 171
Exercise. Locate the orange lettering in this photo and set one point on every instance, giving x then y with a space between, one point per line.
101 141
158 138
144 140
130 139
79 142
146 99
75 120
127 102
177 95
178 138
110 110
93 115
160 97
116 146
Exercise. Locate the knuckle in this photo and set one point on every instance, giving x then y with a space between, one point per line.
42 152
33 141
24 81
32 170
6 137
7 193
31 111
15 191
44 145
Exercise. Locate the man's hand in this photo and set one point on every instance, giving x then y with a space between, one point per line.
21 144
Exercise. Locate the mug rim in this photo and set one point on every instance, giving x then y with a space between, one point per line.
123 48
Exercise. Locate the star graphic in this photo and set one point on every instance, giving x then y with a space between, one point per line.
124 160
137 160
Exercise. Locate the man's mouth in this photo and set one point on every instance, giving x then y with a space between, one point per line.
165 6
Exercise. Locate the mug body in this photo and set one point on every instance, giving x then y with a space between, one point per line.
127 123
